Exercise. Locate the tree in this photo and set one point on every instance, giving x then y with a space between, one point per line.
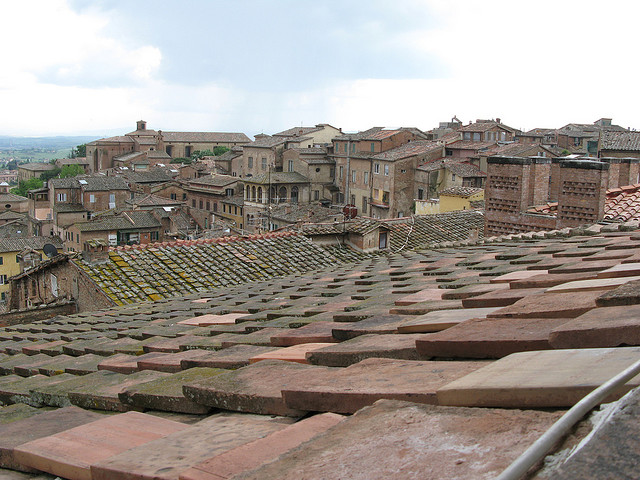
219 150
12 164
186 161
25 185
48 175
79 151
198 154
71 171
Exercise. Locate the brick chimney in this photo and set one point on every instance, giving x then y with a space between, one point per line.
539 181
141 125
583 186
95 251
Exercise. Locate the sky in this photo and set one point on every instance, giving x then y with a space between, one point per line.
95 67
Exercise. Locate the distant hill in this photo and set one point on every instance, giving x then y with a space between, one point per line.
47 143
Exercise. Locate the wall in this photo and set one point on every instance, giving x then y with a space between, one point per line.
37 314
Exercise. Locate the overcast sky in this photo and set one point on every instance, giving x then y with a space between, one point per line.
76 67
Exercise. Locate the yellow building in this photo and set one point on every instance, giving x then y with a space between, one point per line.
460 198
11 249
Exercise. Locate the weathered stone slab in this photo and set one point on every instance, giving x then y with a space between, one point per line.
376 324
253 454
172 362
473 290
166 394
110 347
442 319
550 279
38 347
8 364
70 454
230 358
489 338
18 411
426 307
296 353
209 319
517 275
123 363
255 388
550 305
57 394
167 345
407 441
37 426
584 266
600 284
349 389
259 337
428 294
627 294
167 458
79 347
82 365
399 346
500 298
600 327
546 379
207 343
105 397
315 332
32 367
19 391
621 270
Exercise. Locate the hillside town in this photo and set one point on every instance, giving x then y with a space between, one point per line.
386 303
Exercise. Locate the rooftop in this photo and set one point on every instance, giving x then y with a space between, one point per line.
625 141
464 192
35 243
205 137
446 362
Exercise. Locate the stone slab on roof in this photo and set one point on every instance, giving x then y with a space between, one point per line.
379 442
625 141
363 383
72 452
46 423
541 379
166 458
254 454
205 137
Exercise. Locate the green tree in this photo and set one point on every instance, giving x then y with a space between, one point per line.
12 164
198 154
71 171
79 151
25 185
219 150
46 176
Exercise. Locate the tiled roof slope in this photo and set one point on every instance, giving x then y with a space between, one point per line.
622 204
205 137
36 243
177 268
410 232
519 328
629 141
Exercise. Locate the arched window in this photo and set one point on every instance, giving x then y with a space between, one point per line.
259 194
294 194
253 193
248 195
282 194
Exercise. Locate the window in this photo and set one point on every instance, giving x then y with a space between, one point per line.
386 170
2 260
208 205
201 204
353 199
112 200
332 172
376 193
353 176
345 148
448 152
353 148
453 177
400 214
291 165
193 203
403 171
316 194
366 178
3 279
62 197
476 136
215 207
420 194
77 238
373 147
340 172
173 196
364 204
466 136
92 198
224 208
376 168
168 149
187 151
153 236
250 162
